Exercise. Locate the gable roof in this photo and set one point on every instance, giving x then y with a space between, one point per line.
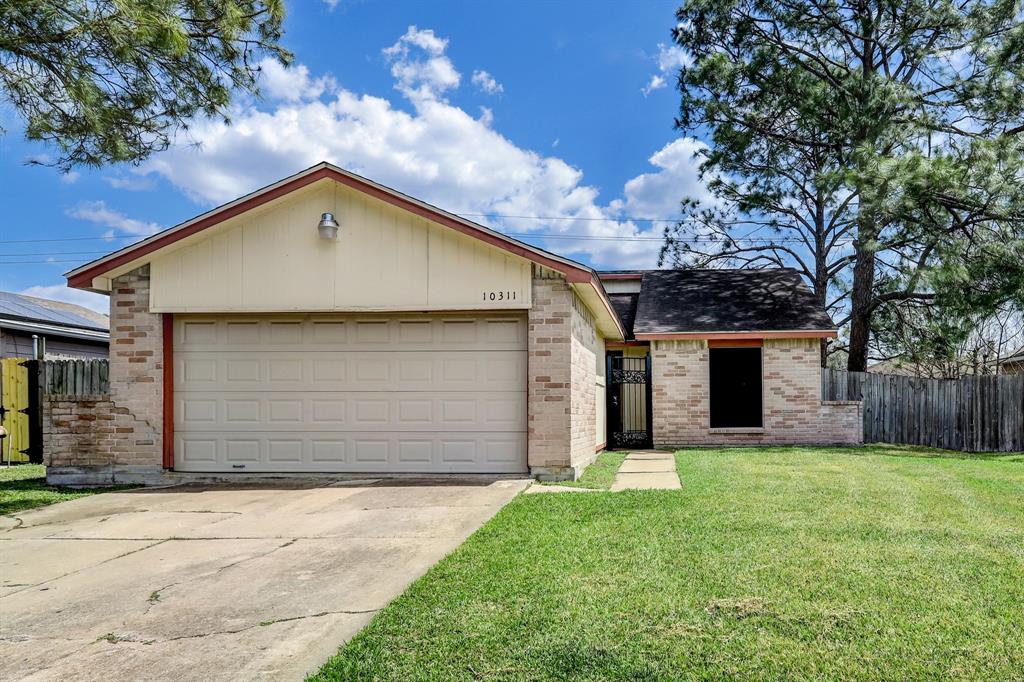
134 255
703 303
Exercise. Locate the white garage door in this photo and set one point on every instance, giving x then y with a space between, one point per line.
416 394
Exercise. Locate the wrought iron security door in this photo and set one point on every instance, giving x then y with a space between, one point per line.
629 402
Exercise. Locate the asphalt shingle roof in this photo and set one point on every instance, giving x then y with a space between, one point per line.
625 308
727 301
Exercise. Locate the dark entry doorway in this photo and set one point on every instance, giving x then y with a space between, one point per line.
629 401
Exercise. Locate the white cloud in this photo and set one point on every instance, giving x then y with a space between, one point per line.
657 194
60 292
331 3
438 152
70 177
486 116
291 84
670 59
656 83
132 183
97 212
419 65
486 82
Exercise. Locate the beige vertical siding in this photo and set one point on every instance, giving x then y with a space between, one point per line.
384 259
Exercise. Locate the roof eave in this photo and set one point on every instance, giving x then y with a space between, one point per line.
53 329
718 335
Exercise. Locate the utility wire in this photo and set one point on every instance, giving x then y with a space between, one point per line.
537 235
55 253
50 260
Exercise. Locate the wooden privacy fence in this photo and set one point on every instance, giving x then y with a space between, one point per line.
75 377
979 414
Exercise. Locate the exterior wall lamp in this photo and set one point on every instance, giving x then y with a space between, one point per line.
328 227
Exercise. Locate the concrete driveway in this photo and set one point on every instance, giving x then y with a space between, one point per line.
218 583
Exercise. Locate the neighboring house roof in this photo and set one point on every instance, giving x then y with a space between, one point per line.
134 255
40 315
1016 356
625 307
699 303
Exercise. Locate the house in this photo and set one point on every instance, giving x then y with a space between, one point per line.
1014 363
64 330
326 323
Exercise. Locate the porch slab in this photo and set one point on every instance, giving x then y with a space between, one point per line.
647 471
647 466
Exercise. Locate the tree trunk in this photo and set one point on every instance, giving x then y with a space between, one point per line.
820 264
860 300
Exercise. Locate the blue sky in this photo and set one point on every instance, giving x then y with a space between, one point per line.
562 110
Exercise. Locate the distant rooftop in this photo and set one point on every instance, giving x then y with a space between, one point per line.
31 309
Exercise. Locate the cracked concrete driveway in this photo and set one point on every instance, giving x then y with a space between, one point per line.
218 583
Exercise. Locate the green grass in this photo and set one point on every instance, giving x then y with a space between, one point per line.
24 486
769 564
599 475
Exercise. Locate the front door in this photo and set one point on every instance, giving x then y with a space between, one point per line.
629 401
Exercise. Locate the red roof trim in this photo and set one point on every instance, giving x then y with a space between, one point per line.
708 336
168 386
83 278
621 275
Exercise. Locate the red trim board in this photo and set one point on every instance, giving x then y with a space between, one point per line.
168 358
735 343
707 336
621 275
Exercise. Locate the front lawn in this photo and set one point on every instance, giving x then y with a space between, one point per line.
869 564
23 486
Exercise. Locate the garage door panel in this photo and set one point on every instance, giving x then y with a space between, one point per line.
358 370
436 332
329 411
360 452
427 393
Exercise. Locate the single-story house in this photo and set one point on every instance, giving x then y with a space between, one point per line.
1013 363
60 330
327 323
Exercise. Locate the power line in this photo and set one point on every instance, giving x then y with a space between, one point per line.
528 235
56 253
632 219
69 239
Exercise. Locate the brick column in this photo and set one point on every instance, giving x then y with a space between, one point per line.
562 394
550 378
136 371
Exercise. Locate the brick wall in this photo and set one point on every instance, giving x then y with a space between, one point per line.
793 410
562 375
89 439
115 438
583 387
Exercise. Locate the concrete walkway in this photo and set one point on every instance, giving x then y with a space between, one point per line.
647 470
219 583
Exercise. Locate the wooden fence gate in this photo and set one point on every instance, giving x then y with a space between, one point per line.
976 414
19 408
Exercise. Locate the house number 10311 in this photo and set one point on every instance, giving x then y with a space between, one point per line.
499 296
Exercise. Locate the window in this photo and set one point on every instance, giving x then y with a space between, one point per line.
735 387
